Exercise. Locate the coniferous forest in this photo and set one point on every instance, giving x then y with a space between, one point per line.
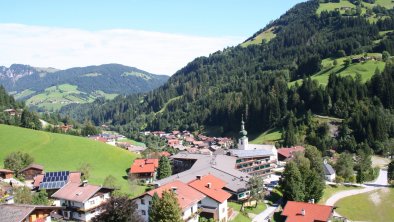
253 81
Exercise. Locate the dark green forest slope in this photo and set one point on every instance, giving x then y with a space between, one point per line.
254 81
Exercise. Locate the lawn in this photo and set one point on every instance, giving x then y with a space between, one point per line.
377 205
331 190
62 152
254 210
366 70
269 136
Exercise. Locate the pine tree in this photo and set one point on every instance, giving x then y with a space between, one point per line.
390 172
166 208
165 169
291 183
154 210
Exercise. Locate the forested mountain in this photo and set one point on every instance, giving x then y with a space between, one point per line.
254 81
50 88
15 113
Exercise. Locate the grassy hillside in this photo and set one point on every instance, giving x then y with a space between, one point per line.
63 152
267 35
55 97
366 70
270 136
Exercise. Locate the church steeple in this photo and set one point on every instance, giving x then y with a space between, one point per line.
243 141
243 132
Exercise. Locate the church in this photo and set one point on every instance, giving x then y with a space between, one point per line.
254 159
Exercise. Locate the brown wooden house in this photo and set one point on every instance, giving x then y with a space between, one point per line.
31 171
6 174
26 213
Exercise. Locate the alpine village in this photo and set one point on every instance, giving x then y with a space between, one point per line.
294 124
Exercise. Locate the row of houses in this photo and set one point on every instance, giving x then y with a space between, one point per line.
72 198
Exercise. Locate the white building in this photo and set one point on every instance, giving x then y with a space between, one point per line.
81 201
329 172
214 205
243 144
188 199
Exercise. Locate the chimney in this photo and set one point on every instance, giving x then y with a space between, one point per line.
209 185
198 177
303 212
174 189
84 183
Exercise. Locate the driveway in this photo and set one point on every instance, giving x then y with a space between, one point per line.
380 182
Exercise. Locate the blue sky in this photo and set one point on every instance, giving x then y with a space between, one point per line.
65 28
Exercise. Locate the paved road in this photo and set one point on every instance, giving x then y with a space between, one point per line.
380 182
266 214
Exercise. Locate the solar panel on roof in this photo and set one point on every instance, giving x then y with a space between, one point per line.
54 180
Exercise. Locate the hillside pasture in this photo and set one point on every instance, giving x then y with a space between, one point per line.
63 152
365 69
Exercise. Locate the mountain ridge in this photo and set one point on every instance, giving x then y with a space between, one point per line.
26 82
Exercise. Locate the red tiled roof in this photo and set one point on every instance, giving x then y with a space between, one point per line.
144 166
165 153
74 177
38 179
187 196
214 190
288 152
313 212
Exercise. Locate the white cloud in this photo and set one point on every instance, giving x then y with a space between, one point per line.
156 52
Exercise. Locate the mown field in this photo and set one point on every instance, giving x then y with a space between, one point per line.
269 136
376 206
62 152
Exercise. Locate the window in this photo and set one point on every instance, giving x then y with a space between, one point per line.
142 201
150 203
91 202
223 209
79 215
143 212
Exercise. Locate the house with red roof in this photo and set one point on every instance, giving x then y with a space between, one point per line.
285 154
307 212
144 169
173 142
188 199
214 205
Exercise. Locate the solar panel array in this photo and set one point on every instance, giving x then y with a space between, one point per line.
54 180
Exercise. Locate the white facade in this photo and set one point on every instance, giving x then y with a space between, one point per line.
330 177
90 207
144 202
221 207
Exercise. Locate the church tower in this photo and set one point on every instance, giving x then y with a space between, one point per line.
243 141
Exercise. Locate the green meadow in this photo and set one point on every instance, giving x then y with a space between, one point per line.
55 97
63 152
366 69
376 206
269 136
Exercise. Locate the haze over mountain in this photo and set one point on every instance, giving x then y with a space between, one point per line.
49 88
